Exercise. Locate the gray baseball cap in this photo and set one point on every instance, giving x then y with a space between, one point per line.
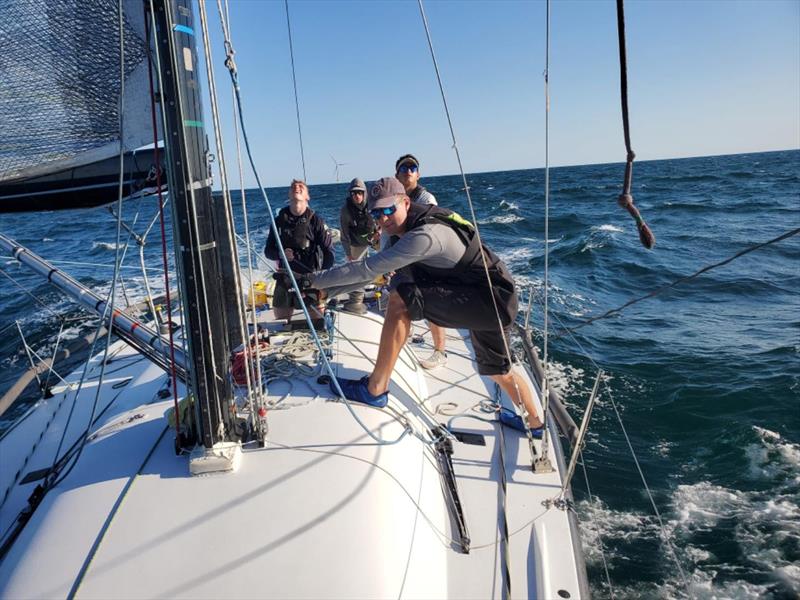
385 192
358 185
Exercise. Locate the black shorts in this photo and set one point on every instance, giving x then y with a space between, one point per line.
467 307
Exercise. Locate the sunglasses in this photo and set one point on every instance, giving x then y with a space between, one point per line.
408 169
377 213
357 193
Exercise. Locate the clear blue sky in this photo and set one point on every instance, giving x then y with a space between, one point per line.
705 77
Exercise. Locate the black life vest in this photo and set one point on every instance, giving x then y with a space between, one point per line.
469 270
294 232
362 225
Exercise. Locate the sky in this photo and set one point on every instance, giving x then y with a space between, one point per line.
705 77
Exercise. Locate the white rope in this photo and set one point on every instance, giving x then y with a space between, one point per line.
274 228
599 539
51 481
662 529
545 361
477 232
294 82
255 367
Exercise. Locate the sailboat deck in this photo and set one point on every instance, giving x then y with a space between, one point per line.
319 499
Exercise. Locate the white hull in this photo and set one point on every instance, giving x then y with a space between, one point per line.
321 512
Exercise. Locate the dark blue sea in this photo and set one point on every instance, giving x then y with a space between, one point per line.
705 376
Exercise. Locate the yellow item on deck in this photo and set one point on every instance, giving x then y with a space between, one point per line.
258 294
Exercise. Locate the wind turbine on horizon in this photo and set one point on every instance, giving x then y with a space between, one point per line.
336 167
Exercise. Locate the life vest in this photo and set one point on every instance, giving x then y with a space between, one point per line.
469 270
297 234
362 225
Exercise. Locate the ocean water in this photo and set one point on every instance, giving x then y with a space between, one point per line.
705 377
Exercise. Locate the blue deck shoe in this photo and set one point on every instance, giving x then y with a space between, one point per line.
511 419
356 390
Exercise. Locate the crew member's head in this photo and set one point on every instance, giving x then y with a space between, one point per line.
357 192
298 197
407 171
388 205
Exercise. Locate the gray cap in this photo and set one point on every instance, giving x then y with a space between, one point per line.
385 192
357 184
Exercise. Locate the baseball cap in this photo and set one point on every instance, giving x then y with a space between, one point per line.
406 158
385 192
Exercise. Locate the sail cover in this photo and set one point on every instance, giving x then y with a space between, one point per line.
60 85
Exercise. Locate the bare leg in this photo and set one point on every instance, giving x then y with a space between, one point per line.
507 381
396 326
439 336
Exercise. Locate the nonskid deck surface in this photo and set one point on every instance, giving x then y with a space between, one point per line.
322 511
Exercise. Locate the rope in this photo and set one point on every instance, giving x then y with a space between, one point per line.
599 539
680 280
626 198
475 222
53 479
545 361
173 377
255 368
294 82
231 65
635 460
253 391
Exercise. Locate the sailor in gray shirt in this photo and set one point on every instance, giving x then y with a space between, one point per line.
441 277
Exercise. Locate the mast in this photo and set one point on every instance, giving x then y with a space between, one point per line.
205 271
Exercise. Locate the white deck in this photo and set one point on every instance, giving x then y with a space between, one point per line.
321 512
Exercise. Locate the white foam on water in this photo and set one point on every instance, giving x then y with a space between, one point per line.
608 228
517 256
502 219
104 246
47 239
508 205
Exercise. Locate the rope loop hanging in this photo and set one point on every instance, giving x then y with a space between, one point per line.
625 199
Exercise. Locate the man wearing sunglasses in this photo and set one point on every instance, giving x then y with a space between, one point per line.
359 233
407 172
440 277
306 242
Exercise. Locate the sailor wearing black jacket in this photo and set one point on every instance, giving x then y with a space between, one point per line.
305 240
359 232
440 277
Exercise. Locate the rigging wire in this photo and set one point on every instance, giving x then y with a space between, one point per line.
255 369
54 478
173 377
294 82
599 539
614 311
232 70
253 394
610 396
545 361
502 332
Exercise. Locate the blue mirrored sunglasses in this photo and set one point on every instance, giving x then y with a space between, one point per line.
388 211
408 169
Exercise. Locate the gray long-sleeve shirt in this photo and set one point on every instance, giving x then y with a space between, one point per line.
432 244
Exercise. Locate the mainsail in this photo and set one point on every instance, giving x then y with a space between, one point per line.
59 101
